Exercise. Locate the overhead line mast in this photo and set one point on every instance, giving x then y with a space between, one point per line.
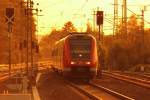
29 35
27 38
115 25
124 18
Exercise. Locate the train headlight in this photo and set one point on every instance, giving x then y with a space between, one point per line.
72 63
88 62
80 55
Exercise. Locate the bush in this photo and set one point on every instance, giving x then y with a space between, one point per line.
118 55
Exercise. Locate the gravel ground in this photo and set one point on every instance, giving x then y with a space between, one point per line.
53 87
128 89
3 87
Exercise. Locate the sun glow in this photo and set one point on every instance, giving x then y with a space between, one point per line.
80 12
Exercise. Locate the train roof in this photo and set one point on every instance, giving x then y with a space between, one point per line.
73 34
80 34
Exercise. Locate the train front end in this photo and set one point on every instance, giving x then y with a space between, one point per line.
80 56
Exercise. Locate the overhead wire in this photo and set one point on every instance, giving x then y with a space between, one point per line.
54 4
137 15
109 21
80 9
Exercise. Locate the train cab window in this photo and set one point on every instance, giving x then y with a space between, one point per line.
80 48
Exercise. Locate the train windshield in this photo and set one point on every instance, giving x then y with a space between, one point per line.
80 48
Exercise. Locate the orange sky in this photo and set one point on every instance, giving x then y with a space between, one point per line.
57 12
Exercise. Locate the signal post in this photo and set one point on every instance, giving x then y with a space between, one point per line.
9 20
99 22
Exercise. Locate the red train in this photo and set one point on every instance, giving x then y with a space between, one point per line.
75 56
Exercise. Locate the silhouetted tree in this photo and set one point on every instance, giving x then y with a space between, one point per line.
89 28
124 53
68 27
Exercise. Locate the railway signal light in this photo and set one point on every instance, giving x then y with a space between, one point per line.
9 15
99 17
9 12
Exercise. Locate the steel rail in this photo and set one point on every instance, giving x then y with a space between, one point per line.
95 96
120 96
126 78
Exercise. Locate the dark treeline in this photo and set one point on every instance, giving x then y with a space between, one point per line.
127 51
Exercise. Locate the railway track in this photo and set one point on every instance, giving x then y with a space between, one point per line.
6 76
128 78
144 76
98 92
3 78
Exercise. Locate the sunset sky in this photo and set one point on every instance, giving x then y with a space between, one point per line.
56 12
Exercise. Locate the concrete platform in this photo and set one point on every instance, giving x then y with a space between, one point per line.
16 97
